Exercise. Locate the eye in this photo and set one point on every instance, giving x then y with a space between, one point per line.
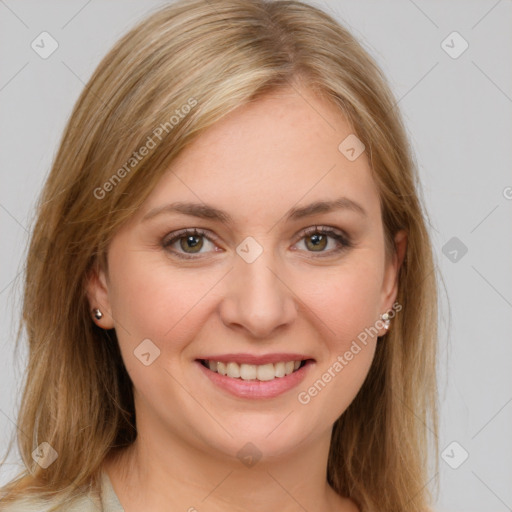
316 239
190 241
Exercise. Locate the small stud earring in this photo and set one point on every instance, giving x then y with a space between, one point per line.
387 321
97 314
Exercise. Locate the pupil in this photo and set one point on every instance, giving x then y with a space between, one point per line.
191 242
318 241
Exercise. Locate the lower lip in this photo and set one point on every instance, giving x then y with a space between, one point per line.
257 388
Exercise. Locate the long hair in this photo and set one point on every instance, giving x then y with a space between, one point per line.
167 80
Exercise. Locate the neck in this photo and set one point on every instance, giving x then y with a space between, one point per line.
162 471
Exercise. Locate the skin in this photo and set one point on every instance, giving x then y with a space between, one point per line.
258 162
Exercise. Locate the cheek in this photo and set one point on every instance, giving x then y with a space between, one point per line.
346 300
345 303
151 299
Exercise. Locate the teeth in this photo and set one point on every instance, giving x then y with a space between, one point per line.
233 370
221 368
279 369
266 372
247 371
261 372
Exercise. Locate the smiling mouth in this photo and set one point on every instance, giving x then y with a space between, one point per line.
254 372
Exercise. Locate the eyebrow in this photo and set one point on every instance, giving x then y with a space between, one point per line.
205 211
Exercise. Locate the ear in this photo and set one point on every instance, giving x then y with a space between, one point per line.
390 282
98 296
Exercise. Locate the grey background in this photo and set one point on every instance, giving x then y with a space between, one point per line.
458 114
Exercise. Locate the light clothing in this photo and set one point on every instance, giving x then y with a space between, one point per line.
104 501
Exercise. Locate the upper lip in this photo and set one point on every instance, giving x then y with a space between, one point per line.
257 360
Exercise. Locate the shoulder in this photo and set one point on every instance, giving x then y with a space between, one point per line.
79 504
91 501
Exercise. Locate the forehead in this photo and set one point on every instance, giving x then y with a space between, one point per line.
280 150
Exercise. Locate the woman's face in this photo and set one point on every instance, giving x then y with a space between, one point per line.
258 287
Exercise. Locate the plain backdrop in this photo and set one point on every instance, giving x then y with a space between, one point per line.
457 106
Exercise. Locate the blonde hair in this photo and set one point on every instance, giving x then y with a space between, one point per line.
215 57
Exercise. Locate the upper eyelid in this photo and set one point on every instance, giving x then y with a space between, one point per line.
209 234
176 235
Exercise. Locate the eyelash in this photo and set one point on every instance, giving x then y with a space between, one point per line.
343 240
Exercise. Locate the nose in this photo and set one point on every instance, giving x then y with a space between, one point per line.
258 299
